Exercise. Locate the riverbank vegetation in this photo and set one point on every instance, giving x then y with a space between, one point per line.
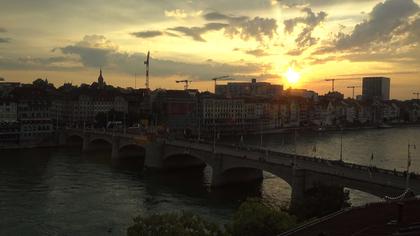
253 217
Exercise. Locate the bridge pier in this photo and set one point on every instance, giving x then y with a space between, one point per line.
61 138
115 148
299 186
154 154
85 145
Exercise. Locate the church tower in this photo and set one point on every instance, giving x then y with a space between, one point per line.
101 83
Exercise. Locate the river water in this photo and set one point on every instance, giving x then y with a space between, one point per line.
66 192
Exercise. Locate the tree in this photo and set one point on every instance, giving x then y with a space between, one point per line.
254 218
173 224
321 200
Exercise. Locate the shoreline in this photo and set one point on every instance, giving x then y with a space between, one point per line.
333 129
264 132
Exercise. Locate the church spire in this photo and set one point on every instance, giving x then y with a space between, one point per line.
101 82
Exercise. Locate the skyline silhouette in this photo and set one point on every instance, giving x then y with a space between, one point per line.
198 41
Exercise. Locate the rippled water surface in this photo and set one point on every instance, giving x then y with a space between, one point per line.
65 192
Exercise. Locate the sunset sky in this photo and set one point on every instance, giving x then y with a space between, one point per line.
68 41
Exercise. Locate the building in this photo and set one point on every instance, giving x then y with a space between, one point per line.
245 89
220 114
8 110
33 112
9 125
303 93
174 109
376 88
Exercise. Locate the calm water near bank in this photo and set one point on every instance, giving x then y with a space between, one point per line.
65 192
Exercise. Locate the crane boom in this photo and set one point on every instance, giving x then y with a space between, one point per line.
353 87
186 83
333 81
224 77
417 94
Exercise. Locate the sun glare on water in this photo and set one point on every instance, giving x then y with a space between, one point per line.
292 76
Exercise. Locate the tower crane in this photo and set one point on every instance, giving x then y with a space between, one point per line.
147 63
186 83
353 87
417 94
225 77
333 82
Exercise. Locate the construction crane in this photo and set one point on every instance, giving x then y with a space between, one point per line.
186 83
417 94
225 78
147 63
353 87
333 82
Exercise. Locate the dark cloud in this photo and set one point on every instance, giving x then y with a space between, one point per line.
318 3
383 20
245 27
92 57
379 74
409 31
310 22
4 40
390 34
93 50
295 52
105 54
257 52
147 34
46 63
197 32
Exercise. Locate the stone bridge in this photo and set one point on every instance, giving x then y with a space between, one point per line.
231 164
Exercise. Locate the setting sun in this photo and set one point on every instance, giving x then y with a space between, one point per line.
292 76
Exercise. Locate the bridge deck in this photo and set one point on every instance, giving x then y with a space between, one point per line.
335 168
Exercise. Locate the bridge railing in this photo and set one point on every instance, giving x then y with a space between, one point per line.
270 152
337 163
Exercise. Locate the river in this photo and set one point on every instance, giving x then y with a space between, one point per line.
62 191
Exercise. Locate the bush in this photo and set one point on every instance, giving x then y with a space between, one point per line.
173 224
321 200
254 218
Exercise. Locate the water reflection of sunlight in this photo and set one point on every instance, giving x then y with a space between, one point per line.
358 198
275 191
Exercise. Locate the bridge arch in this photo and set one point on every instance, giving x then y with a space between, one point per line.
184 160
74 140
132 150
246 172
100 143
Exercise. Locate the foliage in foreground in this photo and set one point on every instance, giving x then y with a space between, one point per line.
173 224
253 218
256 218
321 200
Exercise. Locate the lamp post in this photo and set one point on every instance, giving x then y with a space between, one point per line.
341 146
